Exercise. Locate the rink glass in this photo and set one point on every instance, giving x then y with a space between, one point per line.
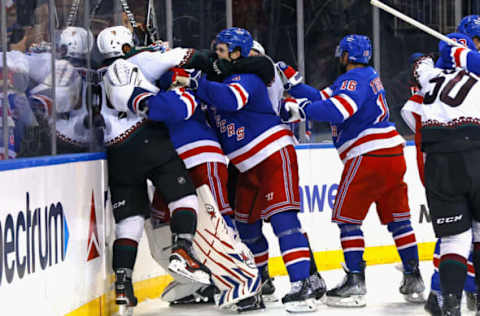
32 118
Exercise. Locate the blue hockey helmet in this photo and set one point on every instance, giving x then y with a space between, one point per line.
470 26
358 47
236 37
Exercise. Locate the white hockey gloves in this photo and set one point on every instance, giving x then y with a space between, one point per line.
292 110
290 77
126 87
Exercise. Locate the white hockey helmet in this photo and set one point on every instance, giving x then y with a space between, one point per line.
258 47
111 40
76 41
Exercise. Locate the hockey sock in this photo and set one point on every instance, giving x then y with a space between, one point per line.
435 282
470 281
476 262
293 244
353 245
313 264
453 272
406 243
252 236
183 222
124 253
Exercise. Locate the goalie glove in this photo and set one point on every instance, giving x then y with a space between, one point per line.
127 88
292 110
290 76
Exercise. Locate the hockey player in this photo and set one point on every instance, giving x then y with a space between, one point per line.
372 151
204 160
450 142
261 147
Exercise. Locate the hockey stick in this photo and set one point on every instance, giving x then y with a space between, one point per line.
72 14
152 25
413 22
130 16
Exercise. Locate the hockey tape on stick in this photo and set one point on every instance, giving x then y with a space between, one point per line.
413 22
72 14
126 9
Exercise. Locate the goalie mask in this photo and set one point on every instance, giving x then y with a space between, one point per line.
76 42
111 41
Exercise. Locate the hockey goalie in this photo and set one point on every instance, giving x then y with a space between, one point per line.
232 267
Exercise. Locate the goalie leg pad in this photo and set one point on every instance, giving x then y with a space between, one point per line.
229 261
252 236
293 244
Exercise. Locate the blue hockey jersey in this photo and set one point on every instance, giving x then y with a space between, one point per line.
248 127
196 141
356 107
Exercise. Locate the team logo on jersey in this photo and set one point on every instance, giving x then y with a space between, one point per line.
210 210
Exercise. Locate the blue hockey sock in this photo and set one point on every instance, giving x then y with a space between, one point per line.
406 243
293 245
353 245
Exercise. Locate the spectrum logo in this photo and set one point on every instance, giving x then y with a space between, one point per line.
32 241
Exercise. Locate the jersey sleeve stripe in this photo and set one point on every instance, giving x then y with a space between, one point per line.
345 105
326 93
460 56
416 98
191 103
139 98
240 93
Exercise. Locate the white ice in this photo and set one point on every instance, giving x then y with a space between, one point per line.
383 297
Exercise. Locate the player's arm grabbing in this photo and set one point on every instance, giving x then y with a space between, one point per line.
128 90
229 96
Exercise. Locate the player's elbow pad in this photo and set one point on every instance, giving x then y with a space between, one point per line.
162 108
217 94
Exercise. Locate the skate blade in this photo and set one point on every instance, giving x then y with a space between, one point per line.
269 298
124 310
306 306
179 269
415 298
351 301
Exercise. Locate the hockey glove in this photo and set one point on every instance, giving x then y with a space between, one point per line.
127 88
292 110
182 78
290 76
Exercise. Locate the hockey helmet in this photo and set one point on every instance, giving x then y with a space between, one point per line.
236 37
258 47
111 40
76 42
358 47
470 26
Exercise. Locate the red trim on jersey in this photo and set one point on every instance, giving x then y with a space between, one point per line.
192 101
200 150
418 146
417 98
345 104
255 149
325 94
366 139
240 91
457 54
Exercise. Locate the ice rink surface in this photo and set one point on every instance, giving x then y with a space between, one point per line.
383 297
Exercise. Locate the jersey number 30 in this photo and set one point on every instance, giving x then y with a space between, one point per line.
445 97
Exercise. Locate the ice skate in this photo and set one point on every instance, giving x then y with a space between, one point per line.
248 304
433 306
301 297
204 295
318 285
471 300
268 288
412 286
451 305
350 293
125 299
184 265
